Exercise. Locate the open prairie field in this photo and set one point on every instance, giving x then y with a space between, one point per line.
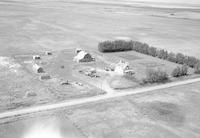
171 113
29 26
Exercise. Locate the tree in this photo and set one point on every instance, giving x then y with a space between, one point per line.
192 61
176 72
180 58
114 46
172 57
152 51
184 70
180 71
156 76
162 54
197 68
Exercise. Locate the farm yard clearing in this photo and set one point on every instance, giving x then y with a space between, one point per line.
23 86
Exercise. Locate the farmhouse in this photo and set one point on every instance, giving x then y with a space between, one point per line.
123 68
38 69
83 56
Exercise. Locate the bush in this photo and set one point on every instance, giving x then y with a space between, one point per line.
180 71
197 68
172 57
156 76
180 58
152 51
114 46
191 61
162 54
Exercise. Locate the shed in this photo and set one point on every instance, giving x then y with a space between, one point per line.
45 77
36 57
48 53
78 50
83 56
37 68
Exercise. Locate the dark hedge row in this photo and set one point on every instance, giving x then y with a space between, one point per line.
163 54
121 45
115 46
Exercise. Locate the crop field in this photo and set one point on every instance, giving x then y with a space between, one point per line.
165 113
172 112
28 27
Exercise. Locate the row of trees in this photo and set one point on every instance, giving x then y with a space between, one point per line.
160 76
115 46
163 54
122 45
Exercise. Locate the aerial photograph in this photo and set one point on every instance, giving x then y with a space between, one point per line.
99 68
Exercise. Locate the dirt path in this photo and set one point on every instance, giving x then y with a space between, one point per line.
93 99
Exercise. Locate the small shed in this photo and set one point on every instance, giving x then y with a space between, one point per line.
36 57
45 77
48 53
83 56
78 50
37 68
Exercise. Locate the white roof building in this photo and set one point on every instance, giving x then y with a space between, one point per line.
36 57
37 68
83 56
122 68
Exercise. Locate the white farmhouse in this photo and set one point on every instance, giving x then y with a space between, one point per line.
123 68
83 56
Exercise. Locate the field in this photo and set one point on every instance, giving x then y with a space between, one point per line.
165 113
28 27
172 112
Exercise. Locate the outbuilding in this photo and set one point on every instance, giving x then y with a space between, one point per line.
45 77
83 56
36 57
48 53
37 68
78 50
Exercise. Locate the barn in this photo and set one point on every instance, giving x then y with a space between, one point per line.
83 56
